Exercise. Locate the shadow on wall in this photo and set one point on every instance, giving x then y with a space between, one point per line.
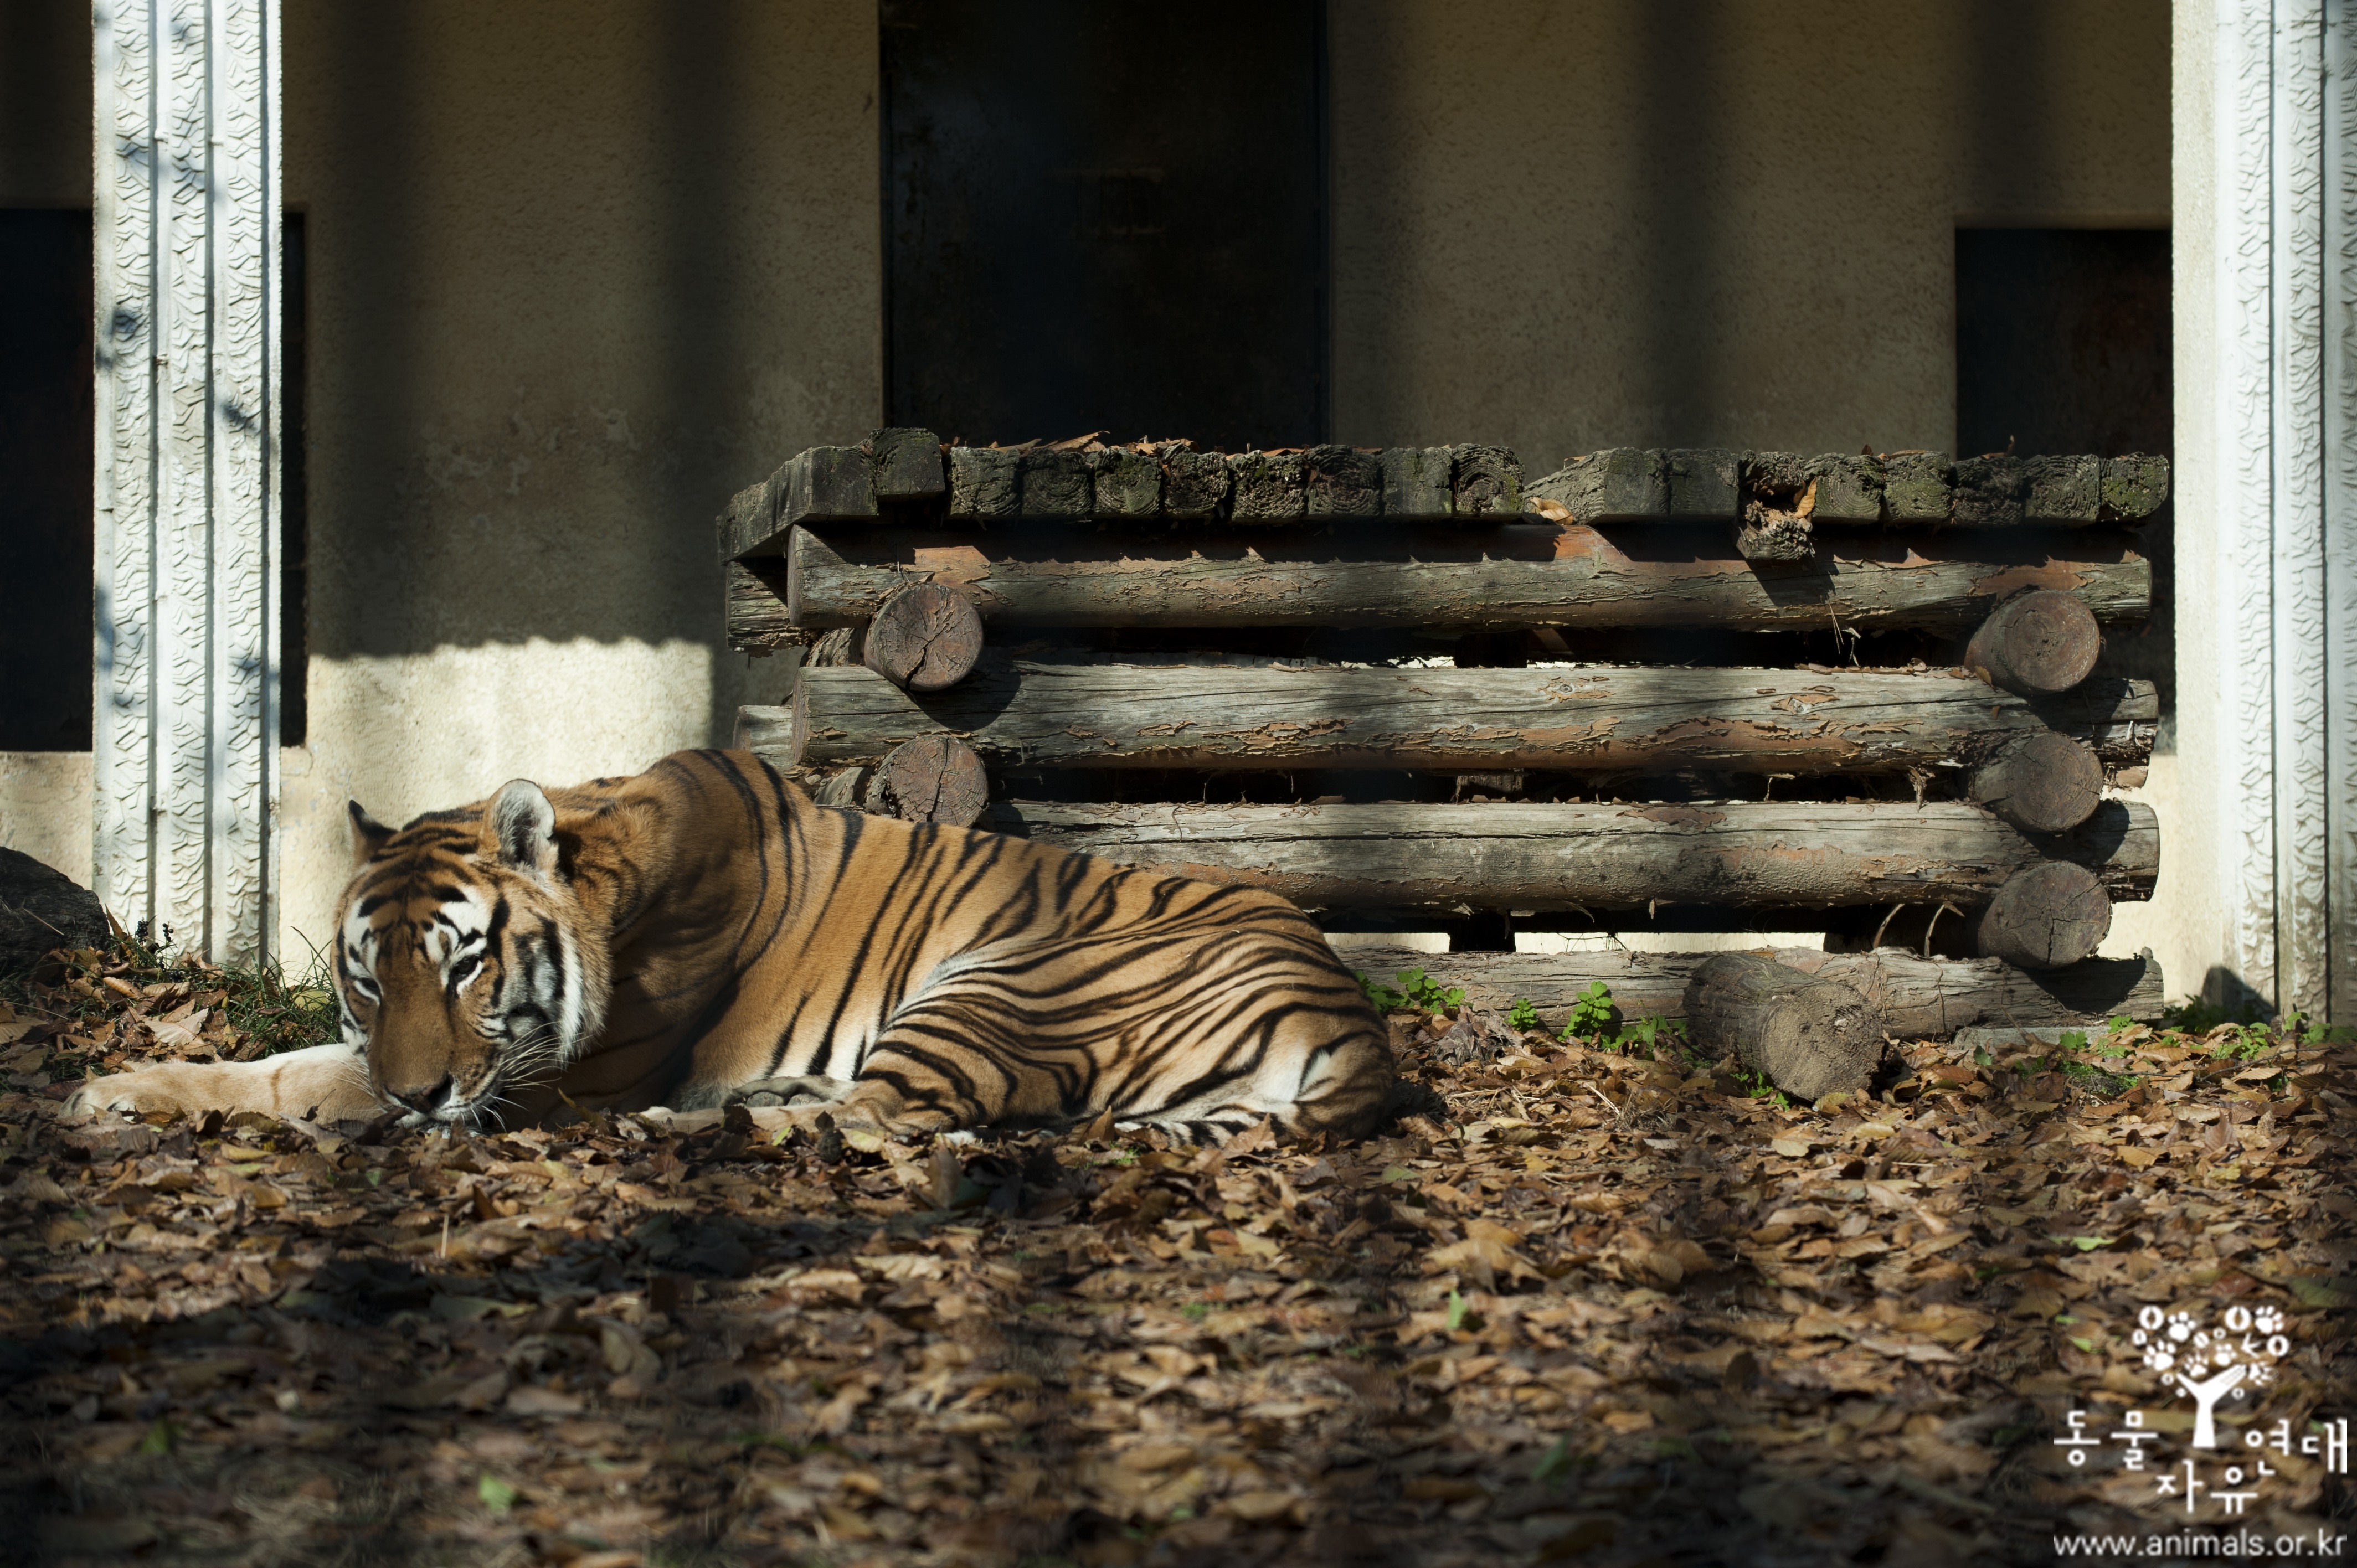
573 522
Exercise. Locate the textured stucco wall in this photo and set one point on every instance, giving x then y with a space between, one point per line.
577 271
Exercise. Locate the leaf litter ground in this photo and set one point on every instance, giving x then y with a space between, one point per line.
1584 1305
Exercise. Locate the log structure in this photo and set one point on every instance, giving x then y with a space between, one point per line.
1020 714
1493 579
886 567
1920 998
1443 861
1809 1034
899 471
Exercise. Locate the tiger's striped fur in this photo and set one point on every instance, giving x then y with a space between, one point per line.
671 937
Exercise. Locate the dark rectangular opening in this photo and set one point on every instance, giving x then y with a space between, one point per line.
1099 218
2064 345
47 452
46 436
294 514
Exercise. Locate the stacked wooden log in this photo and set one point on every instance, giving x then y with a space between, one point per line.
1070 640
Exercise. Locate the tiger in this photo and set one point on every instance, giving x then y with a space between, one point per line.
705 933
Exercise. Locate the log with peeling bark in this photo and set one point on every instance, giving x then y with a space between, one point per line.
1446 861
2045 917
1367 573
1920 998
1810 1035
2041 783
2036 643
1020 714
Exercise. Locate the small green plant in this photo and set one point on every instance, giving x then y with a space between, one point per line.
1416 989
496 1494
1591 1012
1523 1016
1456 1312
1428 994
1756 1085
1651 1034
1554 1465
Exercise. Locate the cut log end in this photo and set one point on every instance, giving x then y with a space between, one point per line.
1765 535
925 638
1808 1037
933 779
2046 916
2037 644
2045 783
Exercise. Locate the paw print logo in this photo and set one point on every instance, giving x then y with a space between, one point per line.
2231 1358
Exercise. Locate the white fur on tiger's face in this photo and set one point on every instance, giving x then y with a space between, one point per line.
461 968
702 929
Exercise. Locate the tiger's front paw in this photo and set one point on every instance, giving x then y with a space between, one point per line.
169 1089
763 1093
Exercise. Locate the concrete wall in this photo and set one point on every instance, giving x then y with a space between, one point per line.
1630 222
577 272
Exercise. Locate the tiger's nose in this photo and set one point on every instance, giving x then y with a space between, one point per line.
422 1100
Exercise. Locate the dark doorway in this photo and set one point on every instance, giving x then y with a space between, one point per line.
46 416
1099 217
2062 345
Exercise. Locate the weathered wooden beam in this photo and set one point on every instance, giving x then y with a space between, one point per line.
1921 998
1375 574
1449 860
1017 713
1785 492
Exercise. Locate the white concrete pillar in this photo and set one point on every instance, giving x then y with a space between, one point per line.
2266 510
185 233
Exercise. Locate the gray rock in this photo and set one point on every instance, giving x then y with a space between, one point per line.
42 909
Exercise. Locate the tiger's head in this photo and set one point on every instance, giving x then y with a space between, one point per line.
463 961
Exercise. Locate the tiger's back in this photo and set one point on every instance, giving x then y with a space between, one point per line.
960 976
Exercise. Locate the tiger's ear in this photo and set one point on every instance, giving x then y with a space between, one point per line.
522 827
367 834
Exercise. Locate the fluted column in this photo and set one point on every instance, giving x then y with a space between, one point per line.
185 236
